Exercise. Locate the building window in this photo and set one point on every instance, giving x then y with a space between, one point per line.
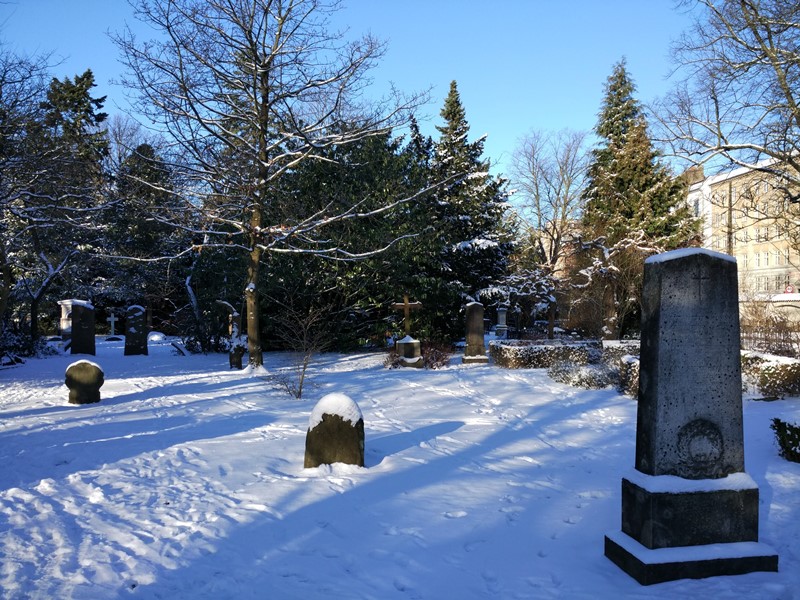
776 257
745 260
766 258
758 260
779 287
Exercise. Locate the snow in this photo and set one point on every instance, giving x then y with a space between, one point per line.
76 302
406 340
690 553
82 361
683 252
186 481
335 404
659 484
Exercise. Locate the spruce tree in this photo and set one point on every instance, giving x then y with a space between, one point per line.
467 215
634 205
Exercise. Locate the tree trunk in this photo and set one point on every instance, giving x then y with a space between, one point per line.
252 307
34 316
610 316
551 321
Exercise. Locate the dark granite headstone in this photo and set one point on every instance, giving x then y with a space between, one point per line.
335 433
475 352
135 331
84 380
77 326
689 488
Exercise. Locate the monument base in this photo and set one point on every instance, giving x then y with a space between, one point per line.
668 512
415 362
692 562
408 349
481 359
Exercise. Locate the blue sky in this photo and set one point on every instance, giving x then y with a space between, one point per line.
519 64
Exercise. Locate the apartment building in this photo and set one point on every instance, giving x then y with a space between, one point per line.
744 216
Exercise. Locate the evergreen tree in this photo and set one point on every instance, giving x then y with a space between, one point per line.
634 206
467 244
58 210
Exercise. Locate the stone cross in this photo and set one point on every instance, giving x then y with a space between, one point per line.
689 488
407 307
112 318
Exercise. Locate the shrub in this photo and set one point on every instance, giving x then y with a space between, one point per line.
516 354
629 375
779 380
594 376
788 436
392 360
436 355
614 352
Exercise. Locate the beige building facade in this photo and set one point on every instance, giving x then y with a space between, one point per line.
744 215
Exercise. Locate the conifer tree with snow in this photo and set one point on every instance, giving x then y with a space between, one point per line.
634 207
468 242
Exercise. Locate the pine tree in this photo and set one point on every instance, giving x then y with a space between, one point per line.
61 205
634 205
472 241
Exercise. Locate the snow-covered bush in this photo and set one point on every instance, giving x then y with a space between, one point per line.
779 380
589 376
436 355
628 382
788 436
542 354
616 351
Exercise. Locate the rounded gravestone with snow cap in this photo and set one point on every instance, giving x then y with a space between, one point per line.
84 380
335 433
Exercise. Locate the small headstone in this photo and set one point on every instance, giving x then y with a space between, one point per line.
475 352
135 331
502 327
335 433
77 326
688 509
235 356
84 380
409 351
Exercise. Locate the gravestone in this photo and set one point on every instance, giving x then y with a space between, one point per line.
406 306
410 352
335 433
408 349
475 352
77 326
135 331
112 321
689 510
501 328
84 380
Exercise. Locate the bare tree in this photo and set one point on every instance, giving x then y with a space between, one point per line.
247 90
549 172
737 99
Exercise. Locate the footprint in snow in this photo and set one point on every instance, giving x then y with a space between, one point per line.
456 514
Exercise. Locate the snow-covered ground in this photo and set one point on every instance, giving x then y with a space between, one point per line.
186 481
